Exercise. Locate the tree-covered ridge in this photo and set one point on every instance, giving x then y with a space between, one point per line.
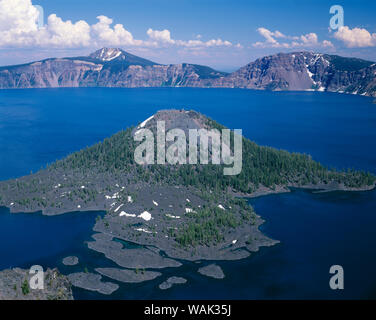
262 165
347 63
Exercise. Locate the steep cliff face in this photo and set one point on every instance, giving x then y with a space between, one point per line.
277 72
49 73
305 71
178 75
109 67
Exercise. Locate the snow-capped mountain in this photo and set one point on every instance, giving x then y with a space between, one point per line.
108 54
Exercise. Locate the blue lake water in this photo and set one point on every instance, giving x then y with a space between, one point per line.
316 230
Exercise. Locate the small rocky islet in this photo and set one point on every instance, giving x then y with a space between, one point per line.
70 261
170 282
213 271
92 282
159 216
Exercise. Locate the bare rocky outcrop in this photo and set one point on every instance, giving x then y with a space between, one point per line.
305 71
132 258
70 261
212 271
170 282
92 282
128 276
14 285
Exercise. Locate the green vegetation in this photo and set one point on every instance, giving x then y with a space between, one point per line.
261 166
206 227
347 64
25 287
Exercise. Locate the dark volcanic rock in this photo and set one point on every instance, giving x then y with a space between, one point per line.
213 271
128 276
92 282
102 236
132 258
14 285
172 281
70 261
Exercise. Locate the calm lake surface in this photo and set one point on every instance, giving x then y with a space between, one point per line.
316 230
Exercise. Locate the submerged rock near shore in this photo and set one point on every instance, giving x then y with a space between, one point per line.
14 285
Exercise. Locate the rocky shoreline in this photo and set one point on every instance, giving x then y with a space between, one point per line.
264 191
107 229
14 285
132 258
128 276
105 204
152 254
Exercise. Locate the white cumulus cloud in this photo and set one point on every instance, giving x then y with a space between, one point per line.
163 36
58 33
303 41
356 37
103 34
19 28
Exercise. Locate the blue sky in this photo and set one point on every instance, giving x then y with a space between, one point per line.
193 29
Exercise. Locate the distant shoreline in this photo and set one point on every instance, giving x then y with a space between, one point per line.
192 87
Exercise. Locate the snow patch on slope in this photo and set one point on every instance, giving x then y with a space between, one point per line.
145 122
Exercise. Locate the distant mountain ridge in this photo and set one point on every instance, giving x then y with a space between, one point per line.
114 67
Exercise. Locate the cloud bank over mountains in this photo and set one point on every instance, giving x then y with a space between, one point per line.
19 28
